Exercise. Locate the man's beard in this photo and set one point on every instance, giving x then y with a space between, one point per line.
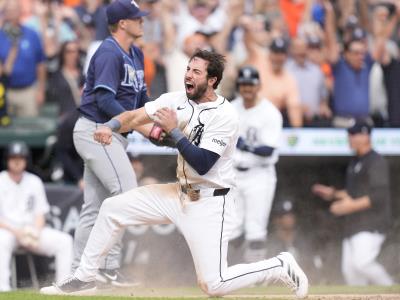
199 91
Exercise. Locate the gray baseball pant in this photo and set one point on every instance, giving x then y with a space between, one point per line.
107 172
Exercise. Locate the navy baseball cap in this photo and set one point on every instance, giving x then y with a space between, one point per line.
314 41
361 126
279 45
248 75
123 9
18 149
284 206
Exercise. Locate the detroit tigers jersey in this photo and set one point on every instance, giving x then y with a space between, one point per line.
122 73
259 125
21 202
212 126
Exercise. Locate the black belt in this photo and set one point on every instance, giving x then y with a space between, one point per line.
242 169
195 195
221 192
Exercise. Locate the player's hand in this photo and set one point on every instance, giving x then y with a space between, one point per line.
103 135
342 207
323 191
166 118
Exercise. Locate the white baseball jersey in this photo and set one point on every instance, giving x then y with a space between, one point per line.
259 125
212 126
21 202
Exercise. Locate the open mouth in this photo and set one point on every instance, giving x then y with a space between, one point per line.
189 87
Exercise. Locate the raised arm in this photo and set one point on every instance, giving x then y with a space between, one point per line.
333 50
382 31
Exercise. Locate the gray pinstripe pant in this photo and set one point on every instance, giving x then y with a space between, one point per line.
108 172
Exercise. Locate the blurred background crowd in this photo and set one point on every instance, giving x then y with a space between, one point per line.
322 63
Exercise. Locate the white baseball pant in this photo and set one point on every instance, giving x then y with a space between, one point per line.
254 197
51 243
206 224
359 265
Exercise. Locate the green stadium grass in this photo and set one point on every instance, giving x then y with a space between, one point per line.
275 293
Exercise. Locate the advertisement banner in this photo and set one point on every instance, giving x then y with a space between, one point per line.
298 142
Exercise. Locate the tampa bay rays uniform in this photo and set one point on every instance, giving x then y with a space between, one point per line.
256 177
20 203
107 169
206 222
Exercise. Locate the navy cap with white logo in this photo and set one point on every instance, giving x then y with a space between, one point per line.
361 126
248 75
279 45
17 149
123 9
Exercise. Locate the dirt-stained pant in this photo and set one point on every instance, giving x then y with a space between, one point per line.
206 225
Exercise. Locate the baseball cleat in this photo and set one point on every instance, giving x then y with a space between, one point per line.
70 286
113 278
292 275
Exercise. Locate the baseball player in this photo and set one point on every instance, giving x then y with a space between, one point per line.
205 129
114 84
364 206
23 205
259 132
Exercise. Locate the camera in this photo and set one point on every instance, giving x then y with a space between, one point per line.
13 32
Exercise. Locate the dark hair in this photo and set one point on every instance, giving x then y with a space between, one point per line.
216 64
62 52
347 44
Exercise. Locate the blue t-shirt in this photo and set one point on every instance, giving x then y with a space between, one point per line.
113 69
30 54
351 89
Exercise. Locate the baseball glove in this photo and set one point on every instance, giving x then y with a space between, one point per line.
160 138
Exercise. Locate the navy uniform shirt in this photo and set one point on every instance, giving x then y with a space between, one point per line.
30 53
368 175
113 69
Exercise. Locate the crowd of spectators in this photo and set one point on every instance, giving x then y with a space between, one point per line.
321 62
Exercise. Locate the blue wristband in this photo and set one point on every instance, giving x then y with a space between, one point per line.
114 124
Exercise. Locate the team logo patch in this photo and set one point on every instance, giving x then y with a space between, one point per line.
133 78
196 134
357 167
131 74
292 140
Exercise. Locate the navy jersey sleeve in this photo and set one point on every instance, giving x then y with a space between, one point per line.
107 71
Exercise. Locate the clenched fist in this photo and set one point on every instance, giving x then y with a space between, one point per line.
103 135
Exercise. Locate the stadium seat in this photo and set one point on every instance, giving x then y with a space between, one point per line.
31 266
